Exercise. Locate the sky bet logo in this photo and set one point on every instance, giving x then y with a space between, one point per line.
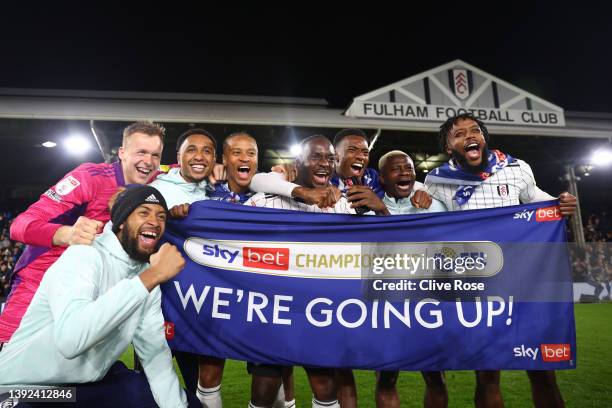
216 252
276 259
528 352
551 353
541 214
548 214
524 215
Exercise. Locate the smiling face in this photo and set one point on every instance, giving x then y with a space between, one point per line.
466 143
196 157
140 156
240 161
353 156
315 163
141 231
397 176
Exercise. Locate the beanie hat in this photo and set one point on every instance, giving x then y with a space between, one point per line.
130 199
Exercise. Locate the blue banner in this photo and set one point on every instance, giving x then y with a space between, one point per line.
292 288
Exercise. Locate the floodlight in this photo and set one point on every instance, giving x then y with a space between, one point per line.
296 150
602 157
76 144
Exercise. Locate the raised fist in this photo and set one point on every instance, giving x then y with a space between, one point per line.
167 262
84 231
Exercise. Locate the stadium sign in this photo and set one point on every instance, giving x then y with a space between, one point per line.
455 88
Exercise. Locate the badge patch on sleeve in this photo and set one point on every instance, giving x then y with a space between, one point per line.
54 196
66 185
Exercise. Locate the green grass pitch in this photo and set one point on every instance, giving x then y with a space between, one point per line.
590 385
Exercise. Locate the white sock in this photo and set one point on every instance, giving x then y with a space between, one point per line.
280 398
251 405
319 404
210 397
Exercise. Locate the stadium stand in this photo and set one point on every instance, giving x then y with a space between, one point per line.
10 251
592 265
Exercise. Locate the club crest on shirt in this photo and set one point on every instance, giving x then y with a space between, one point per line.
66 185
503 190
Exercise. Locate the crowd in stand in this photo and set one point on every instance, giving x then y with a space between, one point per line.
593 263
9 252
598 228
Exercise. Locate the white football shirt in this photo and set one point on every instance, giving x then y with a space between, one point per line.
512 185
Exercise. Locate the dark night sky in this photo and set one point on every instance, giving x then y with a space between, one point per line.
562 55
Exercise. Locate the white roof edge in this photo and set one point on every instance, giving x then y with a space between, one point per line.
447 66
257 114
160 96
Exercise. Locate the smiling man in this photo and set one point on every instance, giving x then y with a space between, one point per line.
477 177
73 211
314 171
188 183
240 159
351 146
180 187
397 177
96 300
196 156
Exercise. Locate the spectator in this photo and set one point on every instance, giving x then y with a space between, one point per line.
4 285
10 251
5 242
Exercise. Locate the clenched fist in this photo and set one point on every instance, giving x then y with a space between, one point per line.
166 263
83 232
179 211
323 197
168 260
218 174
421 199
363 196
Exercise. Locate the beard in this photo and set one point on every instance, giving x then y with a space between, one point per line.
463 163
130 246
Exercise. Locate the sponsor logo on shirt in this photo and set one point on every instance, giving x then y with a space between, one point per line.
66 185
